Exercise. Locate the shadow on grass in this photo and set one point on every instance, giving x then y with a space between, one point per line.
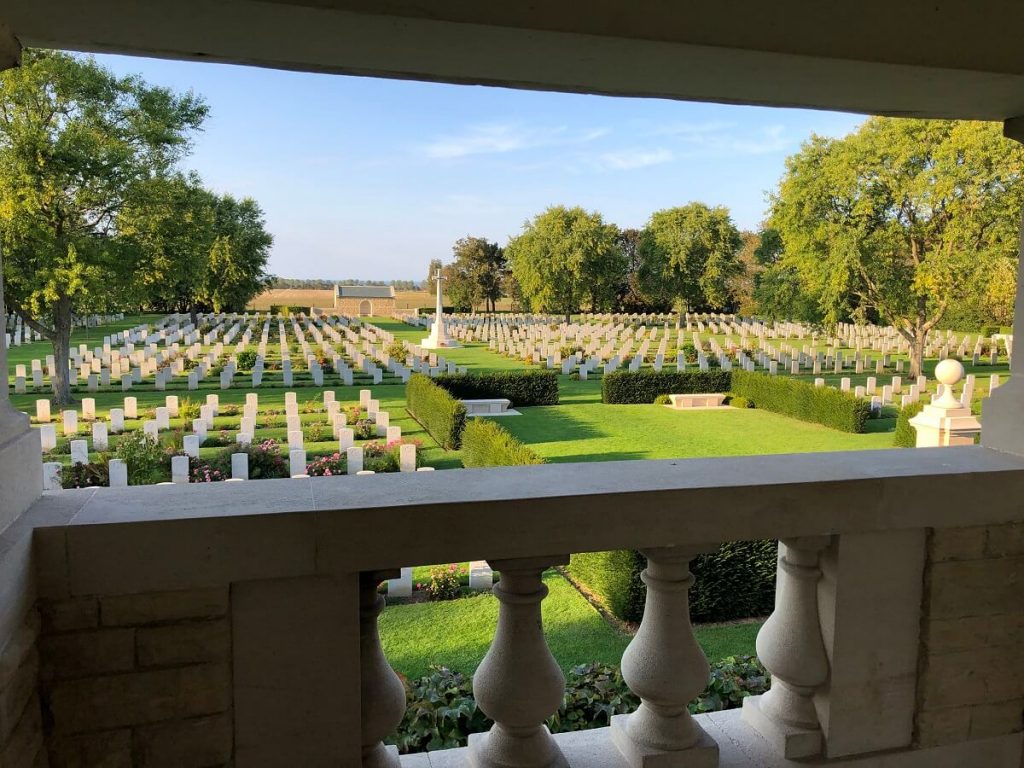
879 425
588 457
549 424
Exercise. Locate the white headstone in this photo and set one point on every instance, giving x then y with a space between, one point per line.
70 422
407 457
297 462
79 452
171 402
43 411
131 408
100 441
118 473
353 460
240 466
51 476
179 469
48 437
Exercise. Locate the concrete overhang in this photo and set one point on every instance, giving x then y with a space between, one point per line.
944 58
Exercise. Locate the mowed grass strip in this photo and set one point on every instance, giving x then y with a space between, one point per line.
457 633
584 430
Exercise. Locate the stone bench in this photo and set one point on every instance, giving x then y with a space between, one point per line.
703 400
499 406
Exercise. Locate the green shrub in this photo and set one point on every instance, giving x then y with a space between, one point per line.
738 401
523 388
445 583
90 475
147 460
820 405
735 582
441 415
441 712
245 360
485 444
988 330
644 386
663 400
613 580
905 435
397 350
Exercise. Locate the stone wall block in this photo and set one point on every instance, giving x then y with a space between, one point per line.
162 607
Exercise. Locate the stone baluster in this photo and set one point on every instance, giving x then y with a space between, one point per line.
790 646
666 668
518 684
383 695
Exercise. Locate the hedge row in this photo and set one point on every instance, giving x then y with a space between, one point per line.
644 386
821 405
441 415
485 444
905 435
735 582
521 387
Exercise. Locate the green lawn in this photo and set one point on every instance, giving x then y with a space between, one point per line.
581 428
457 633
476 357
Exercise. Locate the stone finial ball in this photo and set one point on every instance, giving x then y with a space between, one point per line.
949 372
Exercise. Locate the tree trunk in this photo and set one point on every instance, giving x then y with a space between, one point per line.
917 352
61 349
193 312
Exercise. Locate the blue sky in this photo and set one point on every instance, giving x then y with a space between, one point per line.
370 179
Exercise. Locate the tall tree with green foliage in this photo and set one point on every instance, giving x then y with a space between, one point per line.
689 256
171 225
238 255
77 144
560 254
483 263
902 218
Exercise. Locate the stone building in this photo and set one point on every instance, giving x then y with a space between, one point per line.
364 299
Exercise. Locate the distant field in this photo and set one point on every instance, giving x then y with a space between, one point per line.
303 297
297 297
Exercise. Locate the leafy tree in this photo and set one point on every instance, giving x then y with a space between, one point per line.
77 144
461 287
560 253
742 284
238 255
171 224
689 256
483 263
902 218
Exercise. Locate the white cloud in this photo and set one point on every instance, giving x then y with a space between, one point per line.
727 138
631 159
498 138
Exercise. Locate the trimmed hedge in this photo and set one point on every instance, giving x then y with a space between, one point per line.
821 405
521 387
735 582
645 386
905 435
613 580
441 415
485 444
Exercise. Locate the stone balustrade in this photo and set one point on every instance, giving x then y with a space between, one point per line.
236 623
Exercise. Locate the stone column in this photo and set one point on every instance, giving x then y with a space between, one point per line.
1003 427
382 692
790 646
21 468
946 422
519 684
665 666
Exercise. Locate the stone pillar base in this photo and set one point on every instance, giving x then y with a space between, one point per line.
431 343
384 756
703 754
21 468
786 741
480 754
